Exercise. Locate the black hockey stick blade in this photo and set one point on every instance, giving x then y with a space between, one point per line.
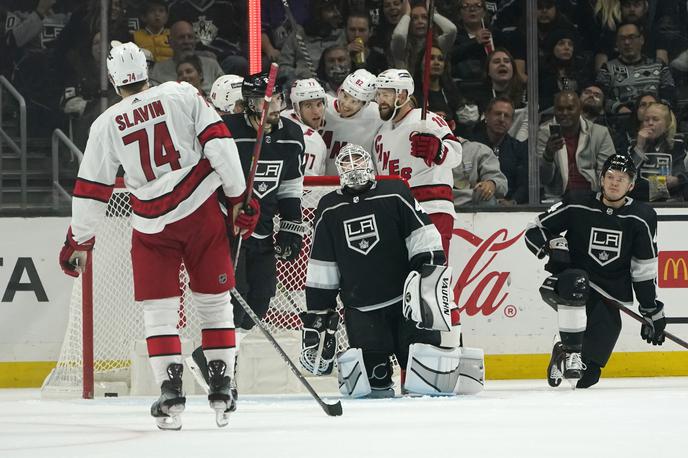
640 319
677 320
333 410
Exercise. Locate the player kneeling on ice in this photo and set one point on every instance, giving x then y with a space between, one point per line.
376 248
608 252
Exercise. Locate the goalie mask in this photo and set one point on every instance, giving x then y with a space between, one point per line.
253 92
354 167
126 64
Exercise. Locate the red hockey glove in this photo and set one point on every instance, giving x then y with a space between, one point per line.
71 252
246 220
428 147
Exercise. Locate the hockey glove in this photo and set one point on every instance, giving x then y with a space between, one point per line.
73 255
559 258
245 221
318 343
652 331
289 239
427 147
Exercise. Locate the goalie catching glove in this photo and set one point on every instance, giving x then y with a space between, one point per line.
426 298
73 255
289 239
318 344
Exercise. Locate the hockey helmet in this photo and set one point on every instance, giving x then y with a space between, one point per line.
621 162
253 90
126 64
354 166
360 85
395 78
226 91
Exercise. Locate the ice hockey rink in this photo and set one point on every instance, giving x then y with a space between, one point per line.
630 417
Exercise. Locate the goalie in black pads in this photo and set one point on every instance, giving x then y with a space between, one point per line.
377 249
607 254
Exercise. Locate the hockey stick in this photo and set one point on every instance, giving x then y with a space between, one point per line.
299 39
272 78
640 319
426 61
677 320
332 410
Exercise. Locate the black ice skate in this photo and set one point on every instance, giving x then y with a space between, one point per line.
554 374
219 392
169 406
573 367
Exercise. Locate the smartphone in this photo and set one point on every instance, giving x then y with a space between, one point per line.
555 130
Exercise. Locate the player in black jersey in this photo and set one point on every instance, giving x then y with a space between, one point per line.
375 248
607 254
278 186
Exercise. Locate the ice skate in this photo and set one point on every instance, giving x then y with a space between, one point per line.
573 368
219 392
554 374
169 406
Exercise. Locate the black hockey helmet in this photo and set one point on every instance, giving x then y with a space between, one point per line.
254 88
621 162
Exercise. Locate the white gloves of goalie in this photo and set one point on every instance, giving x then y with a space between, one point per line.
427 297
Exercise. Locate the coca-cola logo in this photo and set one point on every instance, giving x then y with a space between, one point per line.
479 289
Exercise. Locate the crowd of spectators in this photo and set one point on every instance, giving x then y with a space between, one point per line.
612 73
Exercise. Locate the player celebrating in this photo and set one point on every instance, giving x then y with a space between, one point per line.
608 252
422 153
225 94
351 117
376 248
308 98
279 186
175 152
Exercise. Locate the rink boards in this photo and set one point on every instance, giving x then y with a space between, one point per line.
501 309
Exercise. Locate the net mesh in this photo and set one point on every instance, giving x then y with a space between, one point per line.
118 319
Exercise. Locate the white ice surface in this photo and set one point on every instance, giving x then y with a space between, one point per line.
618 418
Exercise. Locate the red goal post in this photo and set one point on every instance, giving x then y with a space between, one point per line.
105 321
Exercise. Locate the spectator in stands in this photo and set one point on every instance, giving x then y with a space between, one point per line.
511 153
190 69
478 180
592 104
392 10
627 130
275 25
660 157
154 36
408 37
549 19
334 66
358 32
631 73
221 29
35 28
563 67
443 95
596 19
572 155
324 29
183 43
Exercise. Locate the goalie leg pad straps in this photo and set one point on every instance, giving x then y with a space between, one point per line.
471 370
352 374
318 342
432 370
426 298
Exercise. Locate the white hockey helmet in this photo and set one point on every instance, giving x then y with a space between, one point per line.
360 85
226 91
395 78
354 166
126 64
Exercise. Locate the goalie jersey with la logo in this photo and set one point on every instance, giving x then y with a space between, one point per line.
365 245
616 247
278 182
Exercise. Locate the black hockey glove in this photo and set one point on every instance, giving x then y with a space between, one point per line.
559 258
289 239
652 331
318 342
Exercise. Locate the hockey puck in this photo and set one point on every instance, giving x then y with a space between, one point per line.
110 395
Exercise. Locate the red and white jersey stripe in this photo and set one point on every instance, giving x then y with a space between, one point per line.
174 149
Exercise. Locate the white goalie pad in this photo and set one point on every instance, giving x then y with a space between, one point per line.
472 370
433 370
352 375
427 296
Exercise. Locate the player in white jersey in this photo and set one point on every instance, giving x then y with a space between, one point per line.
422 153
176 152
350 118
225 94
308 99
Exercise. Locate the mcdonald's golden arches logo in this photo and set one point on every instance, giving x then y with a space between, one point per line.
673 269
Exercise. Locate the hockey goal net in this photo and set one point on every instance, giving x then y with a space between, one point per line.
102 333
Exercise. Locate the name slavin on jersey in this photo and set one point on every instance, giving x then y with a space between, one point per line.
139 115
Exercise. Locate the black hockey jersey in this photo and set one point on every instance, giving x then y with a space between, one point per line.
365 245
279 177
616 247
